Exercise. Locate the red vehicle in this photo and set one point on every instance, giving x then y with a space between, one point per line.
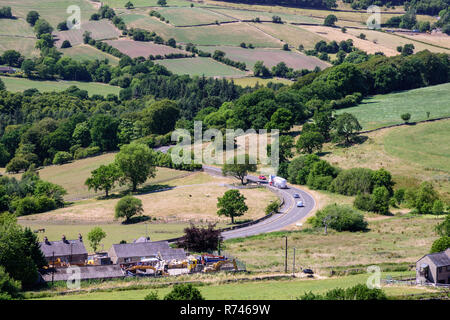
262 178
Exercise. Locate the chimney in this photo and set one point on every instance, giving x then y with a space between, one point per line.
46 240
64 239
80 237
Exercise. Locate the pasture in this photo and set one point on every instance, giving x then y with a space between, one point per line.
100 30
136 49
26 46
253 81
200 66
144 3
247 290
384 110
19 84
187 16
84 52
271 57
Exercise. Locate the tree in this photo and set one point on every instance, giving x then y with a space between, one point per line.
62 157
128 207
330 20
199 239
104 178
9 288
12 58
42 27
160 117
424 198
310 141
137 163
184 292
339 218
441 244
282 119
232 204
260 70
66 44
346 127
276 19
405 117
380 200
408 49
95 236
104 131
32 17
443 228
2 85
162 3
239 170
17 164
129 5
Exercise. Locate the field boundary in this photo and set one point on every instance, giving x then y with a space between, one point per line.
404 124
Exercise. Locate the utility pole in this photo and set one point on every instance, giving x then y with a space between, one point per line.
293 264
53 267
285 255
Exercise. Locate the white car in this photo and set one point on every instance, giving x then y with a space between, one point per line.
300 204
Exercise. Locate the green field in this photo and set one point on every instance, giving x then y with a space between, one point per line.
255 290
385 110
427 144
192 16
200 66
86 52
54 11
19 84
145 3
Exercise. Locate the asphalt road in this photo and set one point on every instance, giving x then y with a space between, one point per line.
289 213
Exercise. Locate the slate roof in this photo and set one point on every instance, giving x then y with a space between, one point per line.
87 272
61 248
148 249
440 259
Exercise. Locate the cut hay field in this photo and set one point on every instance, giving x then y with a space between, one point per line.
86 52
145 3
252 81
100 30
200 66
187 16
192 198
435 38
54 11
248 290
390 240
386 109
136 49
425 144
16 27
232 34
26 46
19 84
271 57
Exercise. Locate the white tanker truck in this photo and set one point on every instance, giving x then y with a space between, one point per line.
277 182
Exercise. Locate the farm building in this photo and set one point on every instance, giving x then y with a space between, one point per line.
7 70
434 268
68 251
85 272
135 252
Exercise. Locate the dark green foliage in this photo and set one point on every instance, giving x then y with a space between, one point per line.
9 288
6 13
184 291
104 178
232 204
239 168
321 175
200 239
330 20
272 207
441 244
443 228
300 167
353 181
66 44
345 127
153 295
128 207
32 17
339 218
62 157
422 199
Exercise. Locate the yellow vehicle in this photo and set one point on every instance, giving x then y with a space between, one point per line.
217 266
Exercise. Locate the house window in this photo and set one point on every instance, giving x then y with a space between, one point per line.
127 259
440 269
448 268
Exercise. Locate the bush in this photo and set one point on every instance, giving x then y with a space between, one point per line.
66 44
153 295
272 207
128 207
200 239
357 292
81 153
440 245
62 157
17 164
353 181
340 218
184 292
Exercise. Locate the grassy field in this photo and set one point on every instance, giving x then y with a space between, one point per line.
252 81
54 11
187 16
17 27
100 30
253 290
85 52
72 175
200 66
145 3
136 49
375 153
427 145
384 110
271 57
26 46
19 84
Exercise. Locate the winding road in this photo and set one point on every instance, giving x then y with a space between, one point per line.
289 212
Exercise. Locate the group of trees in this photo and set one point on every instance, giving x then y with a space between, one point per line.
339 218
281 70
30 194
220 56
443 230
6 13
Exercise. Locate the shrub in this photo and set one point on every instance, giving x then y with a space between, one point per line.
339 218
357 292
17 164
353 181
81 153
128 207
200 239
62 157
272 207
184 292
153 295
440 245
66 44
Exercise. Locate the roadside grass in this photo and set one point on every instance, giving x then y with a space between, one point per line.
386 109
252 290
386 149
85 52
21 84
390 240
199 67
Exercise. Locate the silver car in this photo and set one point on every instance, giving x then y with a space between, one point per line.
296 195
300 204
